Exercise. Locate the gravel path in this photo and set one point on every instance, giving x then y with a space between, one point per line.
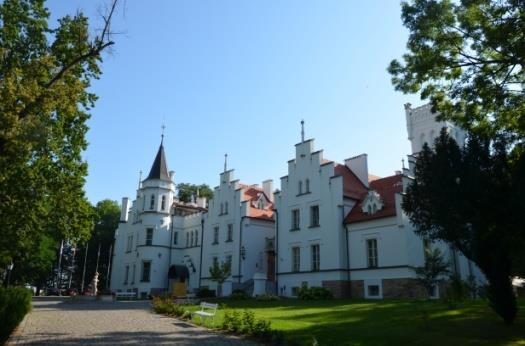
60 321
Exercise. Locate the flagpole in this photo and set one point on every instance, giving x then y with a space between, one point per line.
109 266
84 270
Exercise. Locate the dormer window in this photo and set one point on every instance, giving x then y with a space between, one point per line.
260 204
372 203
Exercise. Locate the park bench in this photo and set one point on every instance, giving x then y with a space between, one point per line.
128 295
207 310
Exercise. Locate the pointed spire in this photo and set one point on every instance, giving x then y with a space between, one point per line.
302 130
140 178
225 162
159 169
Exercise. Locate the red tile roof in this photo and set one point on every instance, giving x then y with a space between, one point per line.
251 194
352 186
387 189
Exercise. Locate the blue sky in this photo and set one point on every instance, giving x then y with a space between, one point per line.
238 77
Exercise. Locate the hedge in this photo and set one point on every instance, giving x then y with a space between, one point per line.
15 303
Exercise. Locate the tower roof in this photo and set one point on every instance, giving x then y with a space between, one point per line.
159 169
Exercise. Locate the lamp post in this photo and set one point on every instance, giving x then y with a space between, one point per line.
9 270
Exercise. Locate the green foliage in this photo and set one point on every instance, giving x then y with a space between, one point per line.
267 297
220 272
166 306
471 197
431 274
45 76
456 291
239 294
246 323
187 191
15 303
467 58
106 217
314 293
205 293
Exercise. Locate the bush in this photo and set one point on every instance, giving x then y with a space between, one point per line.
267 297
239 294
166 306
15 303
314 293
205 293
247 323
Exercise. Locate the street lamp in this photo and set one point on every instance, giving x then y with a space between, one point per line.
9 270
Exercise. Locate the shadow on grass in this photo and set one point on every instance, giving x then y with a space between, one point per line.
388 322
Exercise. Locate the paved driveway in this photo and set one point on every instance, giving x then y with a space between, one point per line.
60 321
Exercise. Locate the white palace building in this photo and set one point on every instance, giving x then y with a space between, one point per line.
330 224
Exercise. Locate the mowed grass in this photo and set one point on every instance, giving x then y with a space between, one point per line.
387 322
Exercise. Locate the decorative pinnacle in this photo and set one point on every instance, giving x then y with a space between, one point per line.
140 177
163 127
403 163
302 130
225 162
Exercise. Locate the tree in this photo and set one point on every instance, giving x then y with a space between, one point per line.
106 222
471 197
431 274
45 75
187 191
219 273
467 57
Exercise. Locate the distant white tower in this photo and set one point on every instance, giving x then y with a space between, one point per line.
422 127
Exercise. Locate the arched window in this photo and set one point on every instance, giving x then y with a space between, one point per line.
260 204
369 209
300 188
152 202
307 185
163 203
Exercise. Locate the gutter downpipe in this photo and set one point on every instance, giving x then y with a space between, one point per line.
276 251
347 246
240 247
202 240
169 257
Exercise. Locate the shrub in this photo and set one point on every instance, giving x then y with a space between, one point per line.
205 293
314 293
166 306
15 303
247 323
267 297
239 294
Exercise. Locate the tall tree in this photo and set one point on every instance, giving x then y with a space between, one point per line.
467 57
107 215
187 191
45 74
472 198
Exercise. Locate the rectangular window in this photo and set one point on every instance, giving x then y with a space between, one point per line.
133 274
149 236
315 257
373 290
152 202
230 233
296 258
295 219
295 291
187 239
175 238
146 271
130 243
126 275
314 216
215 235
371 250
229 259
215 261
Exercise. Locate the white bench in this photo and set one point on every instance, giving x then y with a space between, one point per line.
207 310
125 295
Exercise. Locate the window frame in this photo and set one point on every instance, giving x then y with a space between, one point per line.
149 237
296 220
372 258
315 217
215 235
143 278
316 257
296 259
229 233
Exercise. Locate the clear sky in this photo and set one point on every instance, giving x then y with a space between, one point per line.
237 77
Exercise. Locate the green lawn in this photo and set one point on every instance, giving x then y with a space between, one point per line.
392 322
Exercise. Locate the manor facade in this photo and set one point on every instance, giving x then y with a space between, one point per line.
330 224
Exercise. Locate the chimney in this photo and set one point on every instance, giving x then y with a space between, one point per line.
201 202
359 165
124 210
268 189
